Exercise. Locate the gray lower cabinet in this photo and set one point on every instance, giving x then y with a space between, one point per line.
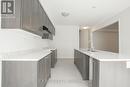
41 79
26 73
53 58
95 73
48 67
82 63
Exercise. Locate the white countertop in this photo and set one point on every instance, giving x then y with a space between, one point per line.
28 55
105 56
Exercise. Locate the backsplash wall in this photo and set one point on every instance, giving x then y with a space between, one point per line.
12 40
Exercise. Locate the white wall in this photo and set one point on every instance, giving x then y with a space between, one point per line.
124 30
125 33
66 39
17 40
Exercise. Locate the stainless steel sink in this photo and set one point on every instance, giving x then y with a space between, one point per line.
92 50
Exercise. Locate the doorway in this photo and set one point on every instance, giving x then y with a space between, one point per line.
84 38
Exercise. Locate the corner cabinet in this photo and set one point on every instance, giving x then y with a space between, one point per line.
30 16
26 73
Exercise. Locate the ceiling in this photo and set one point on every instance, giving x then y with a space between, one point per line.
83 12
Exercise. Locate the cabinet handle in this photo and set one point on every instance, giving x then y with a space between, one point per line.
42 80
93 70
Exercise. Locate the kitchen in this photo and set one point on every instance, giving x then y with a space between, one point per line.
39 27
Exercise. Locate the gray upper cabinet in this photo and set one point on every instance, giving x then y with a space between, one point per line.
35 17
95 80
26 13
30 16
51 28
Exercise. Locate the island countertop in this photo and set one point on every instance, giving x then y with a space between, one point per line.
105 55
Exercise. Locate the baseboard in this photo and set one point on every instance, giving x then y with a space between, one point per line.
69 59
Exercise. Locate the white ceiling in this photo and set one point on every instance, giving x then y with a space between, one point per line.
81 11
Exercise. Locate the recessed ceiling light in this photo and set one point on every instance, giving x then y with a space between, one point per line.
65 14
93 6
86 27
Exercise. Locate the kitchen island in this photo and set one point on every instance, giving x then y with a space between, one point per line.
107 69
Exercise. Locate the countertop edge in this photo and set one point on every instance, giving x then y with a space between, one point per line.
105 59
32 56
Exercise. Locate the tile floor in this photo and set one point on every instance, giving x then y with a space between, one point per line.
65 74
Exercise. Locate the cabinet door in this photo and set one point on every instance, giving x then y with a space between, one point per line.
55 56
53 59
49 25
27 14
46 20
48 66
30 17
87 59
19 74
84 66
80 61
43 16
41 73
95 80
76 57
53 29
35 18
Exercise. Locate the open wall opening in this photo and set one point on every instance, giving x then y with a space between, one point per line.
107 38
